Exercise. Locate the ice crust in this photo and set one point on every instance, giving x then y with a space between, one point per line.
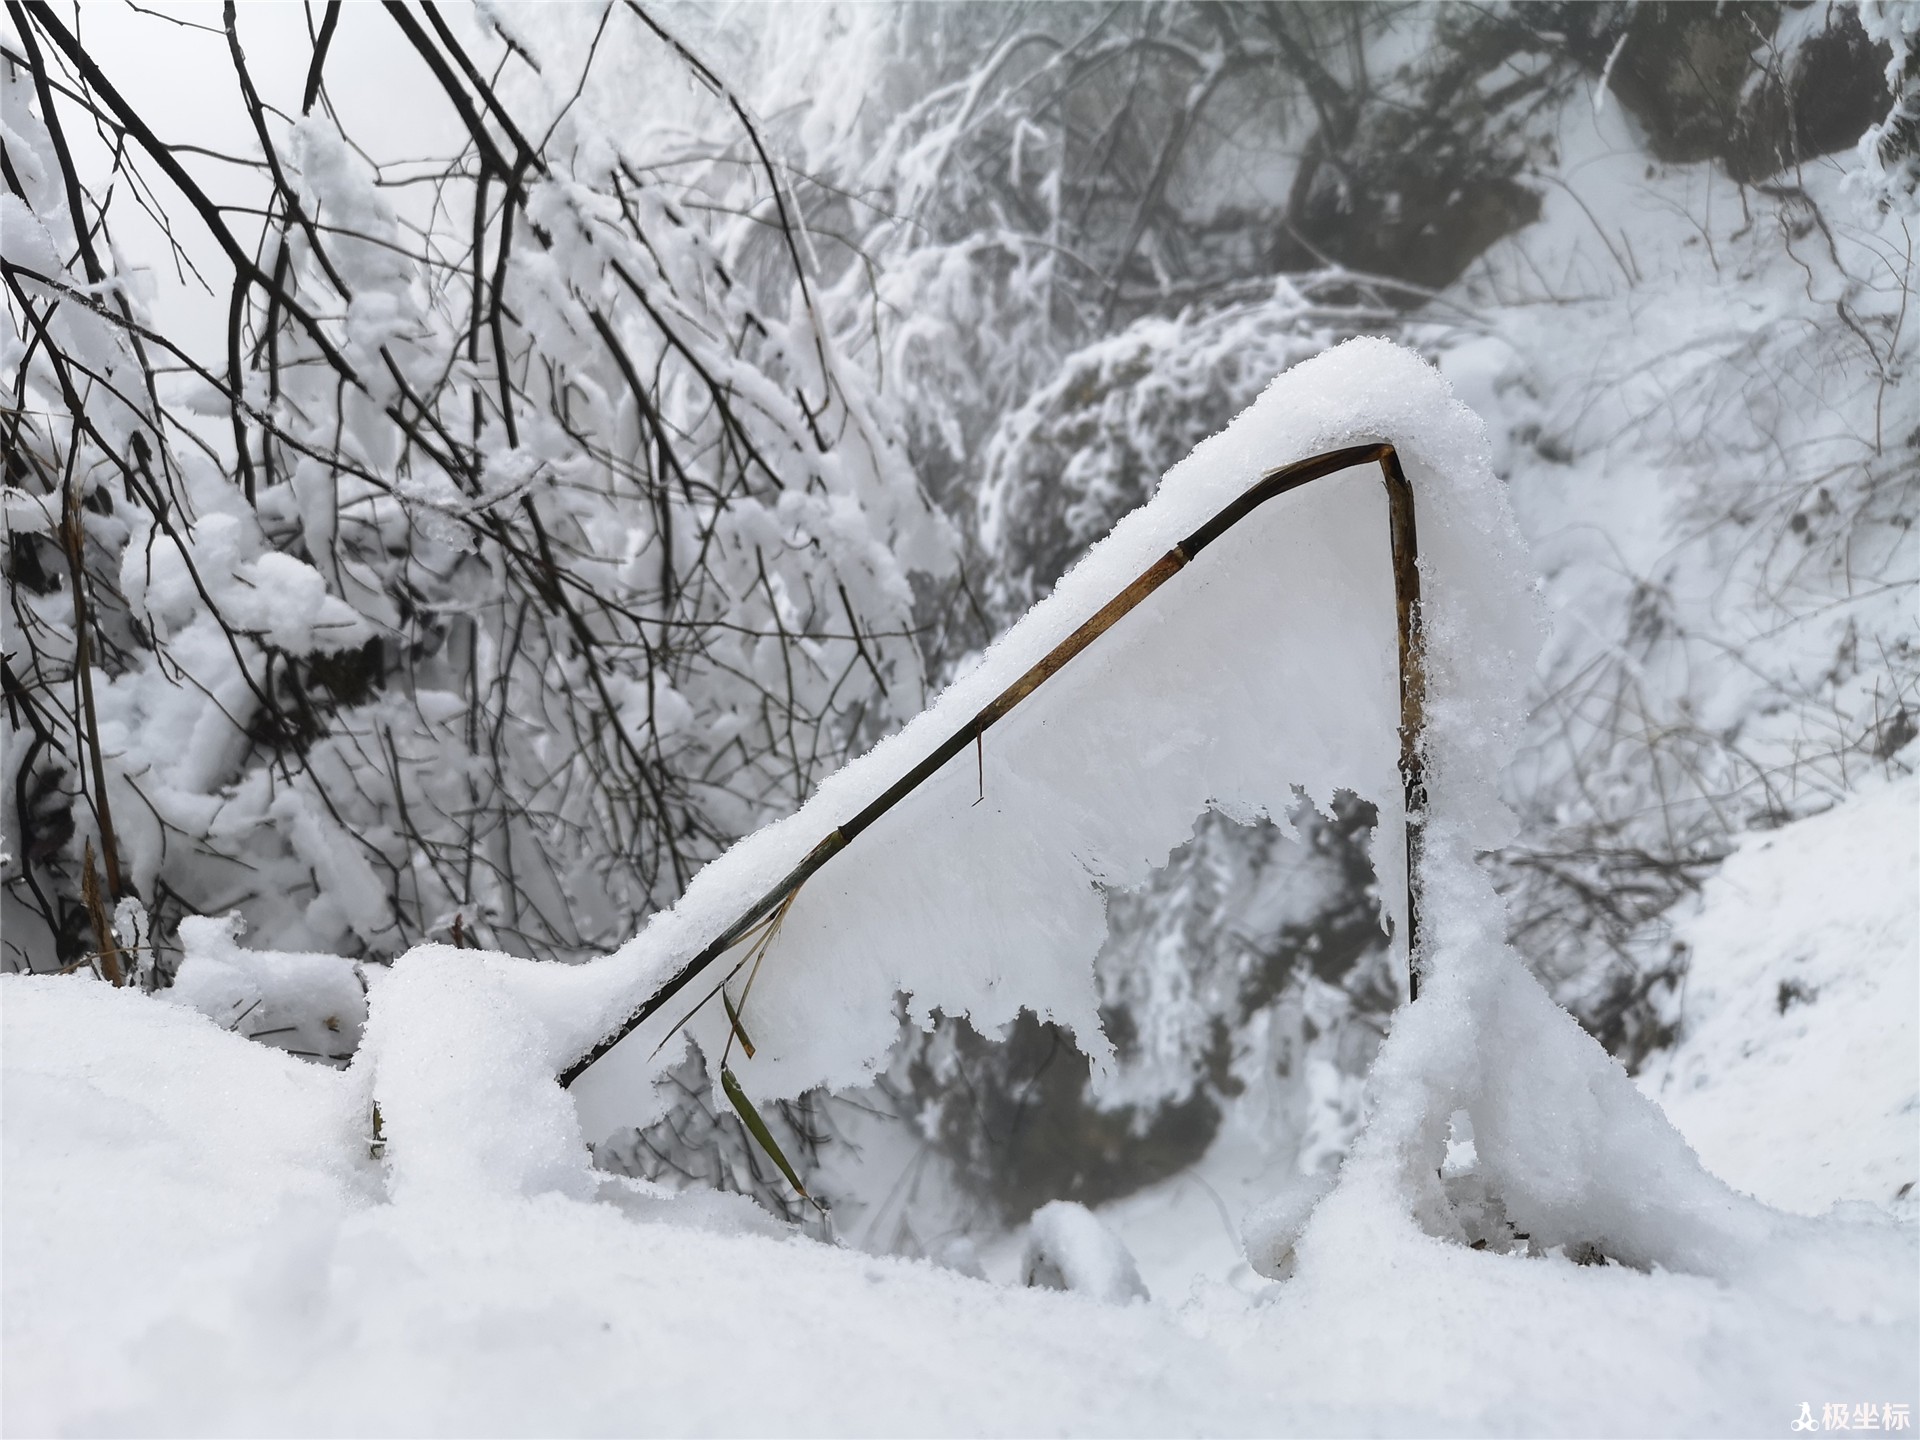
1270 662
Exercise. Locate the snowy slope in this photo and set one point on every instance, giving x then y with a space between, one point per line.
1797 1076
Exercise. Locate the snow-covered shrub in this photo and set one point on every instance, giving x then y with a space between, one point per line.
1091 444
500 558
1890 149
1756 86
1722 505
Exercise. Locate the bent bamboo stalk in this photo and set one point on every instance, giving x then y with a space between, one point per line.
1406 596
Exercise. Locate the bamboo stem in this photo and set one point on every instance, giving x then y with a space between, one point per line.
1275 483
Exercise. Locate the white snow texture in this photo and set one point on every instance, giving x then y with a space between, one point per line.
1518 1242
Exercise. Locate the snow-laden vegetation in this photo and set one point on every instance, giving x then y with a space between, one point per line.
474 481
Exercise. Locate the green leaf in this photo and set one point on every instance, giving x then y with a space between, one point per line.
757 1127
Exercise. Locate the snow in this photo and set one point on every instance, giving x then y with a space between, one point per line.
455 1129
1194 700
287 1301
308 1004
1272 1232
1894 185
1069 1249
159 1171
1805 1109
293 1297
1804 986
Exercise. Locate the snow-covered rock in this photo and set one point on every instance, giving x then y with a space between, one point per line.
1069 1249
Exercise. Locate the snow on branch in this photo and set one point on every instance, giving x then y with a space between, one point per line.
493 556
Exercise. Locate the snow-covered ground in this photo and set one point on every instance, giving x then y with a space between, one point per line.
1797 1077
203 1235
195 1241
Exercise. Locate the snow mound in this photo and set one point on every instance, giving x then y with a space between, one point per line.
1269 1234
1069 1249
1517 1210
1571 1158
453 1129
309 1005
194 1241
155 1167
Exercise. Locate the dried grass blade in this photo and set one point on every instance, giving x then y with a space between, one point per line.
733 1019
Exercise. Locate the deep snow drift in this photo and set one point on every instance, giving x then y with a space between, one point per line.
202 1235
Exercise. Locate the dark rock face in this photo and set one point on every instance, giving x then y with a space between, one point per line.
1417 192
1421 223
1833 89
1020 1129
1680 70
1710 82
